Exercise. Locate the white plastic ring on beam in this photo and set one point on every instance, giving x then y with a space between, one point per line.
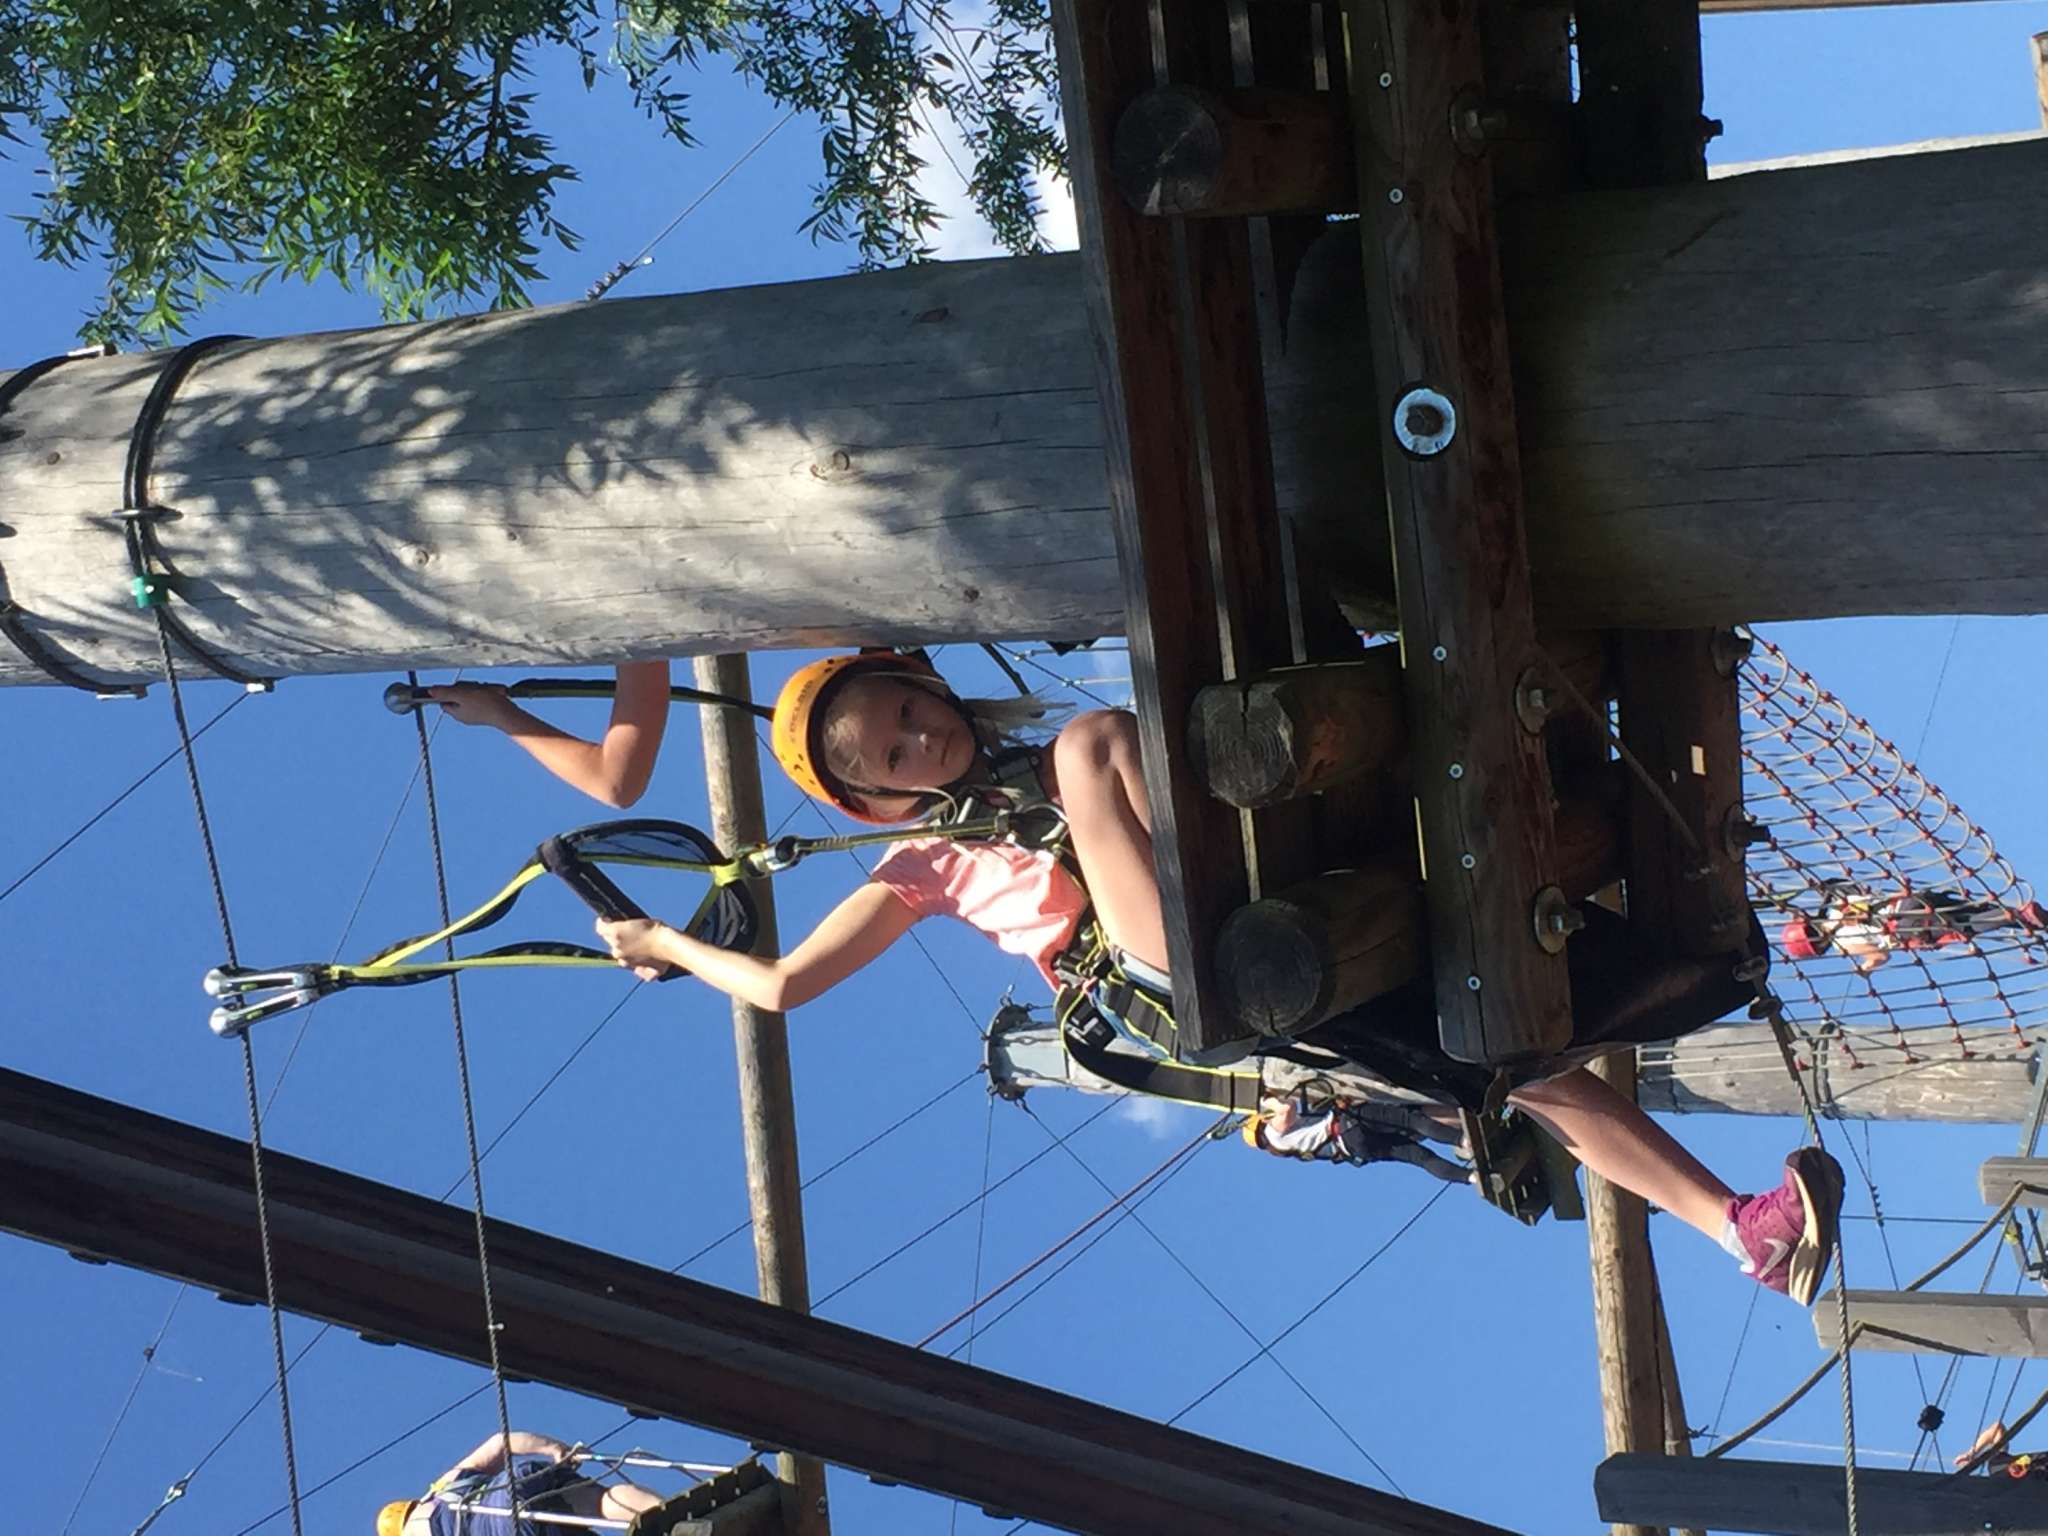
1425 421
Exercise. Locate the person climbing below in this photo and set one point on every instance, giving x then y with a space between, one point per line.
1323 1127
474 1497
882 738
1869 928
614 769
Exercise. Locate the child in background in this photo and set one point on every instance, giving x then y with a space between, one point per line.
1868 928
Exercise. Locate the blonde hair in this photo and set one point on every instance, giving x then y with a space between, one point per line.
1025 719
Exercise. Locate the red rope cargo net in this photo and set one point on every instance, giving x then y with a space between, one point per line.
1842 803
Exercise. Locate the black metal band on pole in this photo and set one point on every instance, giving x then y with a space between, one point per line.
13 617
138 511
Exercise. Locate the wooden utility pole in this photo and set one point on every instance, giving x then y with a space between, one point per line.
1736 1069
732 777
1625 1310
918 455
2038 49
106 1181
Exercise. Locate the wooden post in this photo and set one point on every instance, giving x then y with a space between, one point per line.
1299 731
1677 1432
1625 1310
1290 961
1780 1498
1262 739
102 1179
1453 483
1938 1323
732 776
2038 47
1736 1069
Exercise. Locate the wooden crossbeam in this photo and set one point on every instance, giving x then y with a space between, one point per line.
1779 1498
1916 1322
1446 418
104 1180
1998 1176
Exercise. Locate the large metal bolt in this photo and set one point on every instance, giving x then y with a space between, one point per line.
1555 920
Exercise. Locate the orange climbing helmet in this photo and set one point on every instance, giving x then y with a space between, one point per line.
391 1518
798 727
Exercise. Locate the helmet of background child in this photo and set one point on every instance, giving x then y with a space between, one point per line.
1799 939
797 731
391 1518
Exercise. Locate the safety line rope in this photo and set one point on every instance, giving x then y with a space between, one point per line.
220 900
476 1167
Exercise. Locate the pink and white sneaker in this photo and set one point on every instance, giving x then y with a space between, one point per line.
1788 1235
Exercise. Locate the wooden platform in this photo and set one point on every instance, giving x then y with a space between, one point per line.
1204 142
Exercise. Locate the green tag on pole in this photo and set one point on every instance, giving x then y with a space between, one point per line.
146 592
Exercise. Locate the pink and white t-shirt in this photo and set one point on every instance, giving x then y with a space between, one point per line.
1021 897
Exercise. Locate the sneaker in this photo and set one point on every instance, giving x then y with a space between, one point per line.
1788 1234
2031 915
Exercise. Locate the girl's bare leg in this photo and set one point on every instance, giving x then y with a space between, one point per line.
1102 789
1614 1137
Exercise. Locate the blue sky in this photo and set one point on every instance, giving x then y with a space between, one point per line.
1462 1361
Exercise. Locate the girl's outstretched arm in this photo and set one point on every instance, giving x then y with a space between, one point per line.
613 769
490 1456
855 932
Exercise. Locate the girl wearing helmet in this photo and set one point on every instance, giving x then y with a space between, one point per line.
883 739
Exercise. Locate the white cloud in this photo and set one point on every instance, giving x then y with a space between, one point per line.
1163 1119
963 236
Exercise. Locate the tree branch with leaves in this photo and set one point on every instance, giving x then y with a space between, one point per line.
194 145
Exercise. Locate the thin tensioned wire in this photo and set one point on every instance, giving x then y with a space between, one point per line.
1226 1309
227 928
1265 1350
988 1148
476 1163
1118 1203
1185 1162
963 1208
121 1417
106 810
